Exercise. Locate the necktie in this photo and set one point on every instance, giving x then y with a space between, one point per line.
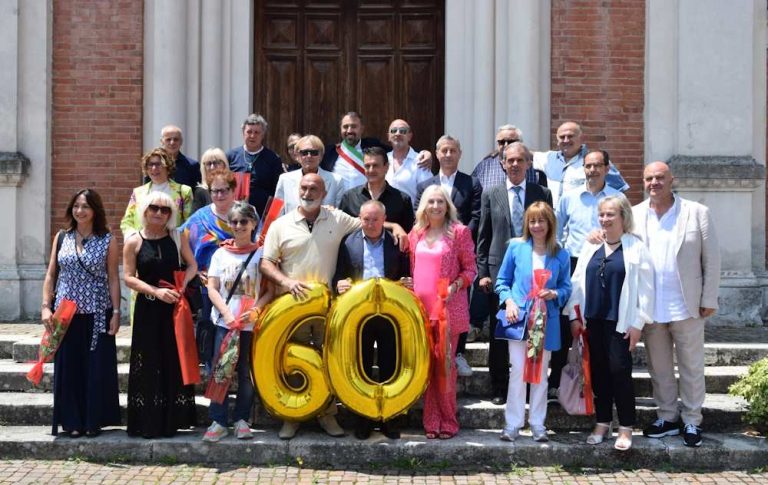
517 212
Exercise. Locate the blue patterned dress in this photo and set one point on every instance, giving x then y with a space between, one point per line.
85 391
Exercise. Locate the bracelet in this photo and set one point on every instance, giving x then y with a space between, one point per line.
115 312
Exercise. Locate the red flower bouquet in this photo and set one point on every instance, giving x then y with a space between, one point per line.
51 340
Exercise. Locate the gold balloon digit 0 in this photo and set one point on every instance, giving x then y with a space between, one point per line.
344 370
276 360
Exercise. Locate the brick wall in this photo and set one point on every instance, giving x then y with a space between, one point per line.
97 102
598 61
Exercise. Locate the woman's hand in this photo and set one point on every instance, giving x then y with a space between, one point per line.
547 294
576 328
512 311
342 286
453 288
203 275
114 324
47 317
167 295
633 334
407 281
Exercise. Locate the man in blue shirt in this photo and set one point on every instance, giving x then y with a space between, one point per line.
187 169
253 157
563 166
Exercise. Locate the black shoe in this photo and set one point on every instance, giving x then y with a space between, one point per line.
390 431
692 435
363 429
661 428
499 400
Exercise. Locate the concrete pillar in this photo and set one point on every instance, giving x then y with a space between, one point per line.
497 58
705 115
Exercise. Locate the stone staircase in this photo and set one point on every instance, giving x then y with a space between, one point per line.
25 416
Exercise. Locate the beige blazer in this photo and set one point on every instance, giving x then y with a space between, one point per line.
698 252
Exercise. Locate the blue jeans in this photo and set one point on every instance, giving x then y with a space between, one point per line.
245 390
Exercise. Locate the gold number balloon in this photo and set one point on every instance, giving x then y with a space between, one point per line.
275 358
344 369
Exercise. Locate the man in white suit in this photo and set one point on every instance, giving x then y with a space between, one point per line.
686 257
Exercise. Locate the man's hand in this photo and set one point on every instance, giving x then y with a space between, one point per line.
706 312
485 284
343 285
296 288
633 334
424 160
401 236
596 236
407 281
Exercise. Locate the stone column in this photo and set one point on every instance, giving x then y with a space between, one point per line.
209 45
705 115
497 58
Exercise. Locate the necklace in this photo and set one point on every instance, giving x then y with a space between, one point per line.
149 235
84 237
612 243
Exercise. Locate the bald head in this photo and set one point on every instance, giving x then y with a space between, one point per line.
569 138
399 135
657 181
311 193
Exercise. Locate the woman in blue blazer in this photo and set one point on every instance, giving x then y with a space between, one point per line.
536 249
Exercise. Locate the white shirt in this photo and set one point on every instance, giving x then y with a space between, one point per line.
288 188
669 303
408 175
511 197
350 176
225 266
447 182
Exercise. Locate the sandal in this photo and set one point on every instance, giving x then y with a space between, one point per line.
444 435
431 435
599 433
624 439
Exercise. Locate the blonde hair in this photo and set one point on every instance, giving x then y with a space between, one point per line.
451 215
542 210
169 164
208 156
625 209
158 198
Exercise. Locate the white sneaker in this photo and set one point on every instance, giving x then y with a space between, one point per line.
462 367
214 433
242 430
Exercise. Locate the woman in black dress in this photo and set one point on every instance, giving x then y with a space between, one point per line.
158 402
84 268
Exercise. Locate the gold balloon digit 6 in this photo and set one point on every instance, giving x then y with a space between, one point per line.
344 370
276 359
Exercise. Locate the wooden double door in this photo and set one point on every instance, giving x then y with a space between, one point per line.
317 59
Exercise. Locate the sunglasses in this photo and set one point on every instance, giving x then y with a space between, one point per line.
239 222
311 153
219 191
601 268
214 163
507 142
164 210
402 130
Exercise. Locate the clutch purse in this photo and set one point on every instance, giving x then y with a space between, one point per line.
511 331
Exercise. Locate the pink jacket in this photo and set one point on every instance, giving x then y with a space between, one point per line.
457 261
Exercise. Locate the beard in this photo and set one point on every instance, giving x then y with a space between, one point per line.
309 205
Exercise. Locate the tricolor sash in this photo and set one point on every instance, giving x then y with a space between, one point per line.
351 155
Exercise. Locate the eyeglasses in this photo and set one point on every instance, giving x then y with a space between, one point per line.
239 222
154 164
164 210
402 130
213 163
309 153
507 142
219 191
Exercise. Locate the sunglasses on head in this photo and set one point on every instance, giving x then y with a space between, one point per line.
164 210
402 130
311 153
507 142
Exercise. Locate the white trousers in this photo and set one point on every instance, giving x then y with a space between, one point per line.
514 414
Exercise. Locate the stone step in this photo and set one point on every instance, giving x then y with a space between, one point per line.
23 348
721 413
718 379
476 448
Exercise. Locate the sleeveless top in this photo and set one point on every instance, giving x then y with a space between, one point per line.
83 279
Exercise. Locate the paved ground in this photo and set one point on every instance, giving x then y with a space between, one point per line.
54 472
713 334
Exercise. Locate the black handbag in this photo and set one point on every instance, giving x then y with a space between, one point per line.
511 331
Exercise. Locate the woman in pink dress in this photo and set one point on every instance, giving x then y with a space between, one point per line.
442 248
